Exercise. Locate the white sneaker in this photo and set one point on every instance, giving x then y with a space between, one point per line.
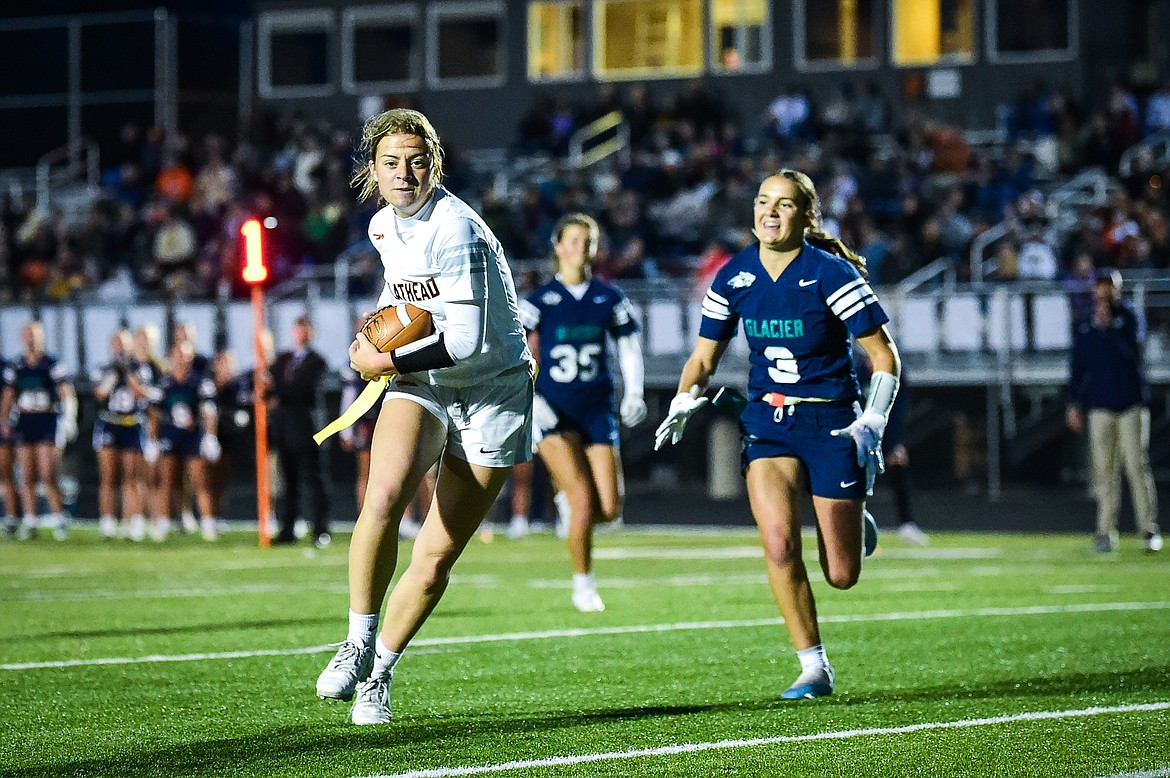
913 534
28 528
587 601
190 525
1152 543
108 527
617 525
349 666
372 705
160 529
137 530
60 526
517 527
209 528
408 528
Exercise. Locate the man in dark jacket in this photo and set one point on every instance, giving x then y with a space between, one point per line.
1107 385
296 378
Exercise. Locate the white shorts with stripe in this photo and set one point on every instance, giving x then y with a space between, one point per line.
488 424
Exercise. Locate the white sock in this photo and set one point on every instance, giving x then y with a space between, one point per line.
812 658
362 627
384 660
583 581
30 520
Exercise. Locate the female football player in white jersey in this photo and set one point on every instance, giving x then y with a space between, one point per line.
461 397
801 296
570 320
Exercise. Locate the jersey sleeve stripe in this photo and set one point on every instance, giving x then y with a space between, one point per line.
712 312
847 301
711 293
859 305
844 290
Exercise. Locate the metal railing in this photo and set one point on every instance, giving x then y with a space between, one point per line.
1157 145
580 157
78 158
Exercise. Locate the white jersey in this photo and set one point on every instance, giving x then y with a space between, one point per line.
444 253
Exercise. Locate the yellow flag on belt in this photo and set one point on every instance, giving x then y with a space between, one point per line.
363 403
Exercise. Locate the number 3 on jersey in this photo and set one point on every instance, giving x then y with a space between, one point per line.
576 364
784 369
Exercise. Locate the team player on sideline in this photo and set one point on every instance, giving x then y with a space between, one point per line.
7 477
37 386
183 422
117 439
148 368
801 295
568 320
461 397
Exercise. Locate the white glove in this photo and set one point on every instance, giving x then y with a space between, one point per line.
209 448
150 450
681 408
66 432
867 433
543 416
633 410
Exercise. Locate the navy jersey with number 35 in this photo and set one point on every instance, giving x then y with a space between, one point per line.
574 356
798 326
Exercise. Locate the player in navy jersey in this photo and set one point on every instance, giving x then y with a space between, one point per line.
801 296
149 369
569 321
7 478
39 410
117 438
184 491
183 421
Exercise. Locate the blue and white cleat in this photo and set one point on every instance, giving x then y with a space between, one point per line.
871 532
810 685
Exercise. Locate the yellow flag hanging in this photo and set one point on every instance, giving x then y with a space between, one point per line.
363 403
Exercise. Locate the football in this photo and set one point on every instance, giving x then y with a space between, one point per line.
397 325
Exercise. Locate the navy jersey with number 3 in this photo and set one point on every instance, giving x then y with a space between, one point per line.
574 356
798 326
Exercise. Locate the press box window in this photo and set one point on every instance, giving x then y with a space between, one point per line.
294 53
741 36
1027 29
930 31
467 45
380 50
833 34
556 41
647 38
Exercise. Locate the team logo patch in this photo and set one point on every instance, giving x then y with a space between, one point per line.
550 298
742 280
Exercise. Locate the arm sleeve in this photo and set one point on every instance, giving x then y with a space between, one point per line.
464 336
1076 370
630 363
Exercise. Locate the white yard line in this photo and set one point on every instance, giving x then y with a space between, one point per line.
1161 772
1083 589
682 626
691 748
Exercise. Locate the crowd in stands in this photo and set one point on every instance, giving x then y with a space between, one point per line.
903 188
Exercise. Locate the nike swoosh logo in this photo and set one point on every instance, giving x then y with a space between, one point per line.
483 450
378 236
847 485
599 299
810 282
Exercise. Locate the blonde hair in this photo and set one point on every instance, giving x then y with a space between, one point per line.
396 121
814 233
583 220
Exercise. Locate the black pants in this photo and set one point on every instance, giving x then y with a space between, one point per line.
300 469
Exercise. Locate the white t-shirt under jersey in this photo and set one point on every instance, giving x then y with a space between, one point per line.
444 253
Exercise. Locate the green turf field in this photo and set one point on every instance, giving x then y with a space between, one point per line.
980 655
